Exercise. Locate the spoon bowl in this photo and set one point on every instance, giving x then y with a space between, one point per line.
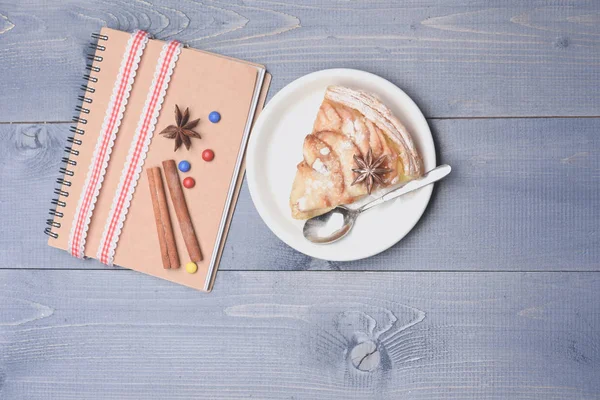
331 226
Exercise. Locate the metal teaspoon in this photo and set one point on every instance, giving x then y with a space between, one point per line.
335 224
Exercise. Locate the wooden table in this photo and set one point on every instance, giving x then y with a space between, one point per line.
494 295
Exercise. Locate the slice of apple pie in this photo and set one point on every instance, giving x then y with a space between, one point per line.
356 144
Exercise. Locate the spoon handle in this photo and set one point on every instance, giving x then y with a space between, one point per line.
432 176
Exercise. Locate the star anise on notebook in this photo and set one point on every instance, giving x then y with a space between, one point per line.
183 131
369 170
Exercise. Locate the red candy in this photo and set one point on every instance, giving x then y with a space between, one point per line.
189 182
208 155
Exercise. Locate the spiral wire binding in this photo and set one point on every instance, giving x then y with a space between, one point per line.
73 140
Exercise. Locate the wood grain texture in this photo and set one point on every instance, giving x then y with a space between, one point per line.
302 335
522 196
455 58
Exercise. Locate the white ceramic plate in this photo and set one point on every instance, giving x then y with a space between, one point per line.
275 148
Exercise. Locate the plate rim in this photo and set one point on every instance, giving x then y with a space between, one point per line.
253 143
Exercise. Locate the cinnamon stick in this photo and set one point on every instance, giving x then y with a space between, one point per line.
164 228
181 210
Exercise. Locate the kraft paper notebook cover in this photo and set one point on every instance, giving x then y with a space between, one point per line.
200 81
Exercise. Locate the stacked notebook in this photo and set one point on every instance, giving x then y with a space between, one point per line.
197 80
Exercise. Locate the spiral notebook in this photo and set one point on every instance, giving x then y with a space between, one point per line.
134 84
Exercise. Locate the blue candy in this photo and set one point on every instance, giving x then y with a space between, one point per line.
184 166
214 117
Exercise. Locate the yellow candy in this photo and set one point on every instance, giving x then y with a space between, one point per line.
191 267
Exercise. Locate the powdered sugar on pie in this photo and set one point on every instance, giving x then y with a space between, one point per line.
349 123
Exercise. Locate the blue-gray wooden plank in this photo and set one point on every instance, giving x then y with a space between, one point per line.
523 196
300 335
456 58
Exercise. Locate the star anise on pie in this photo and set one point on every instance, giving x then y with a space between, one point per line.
370 170
183 131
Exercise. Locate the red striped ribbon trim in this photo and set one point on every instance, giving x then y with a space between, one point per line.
137 151
110 127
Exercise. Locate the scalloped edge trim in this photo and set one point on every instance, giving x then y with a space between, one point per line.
121 202
79 227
